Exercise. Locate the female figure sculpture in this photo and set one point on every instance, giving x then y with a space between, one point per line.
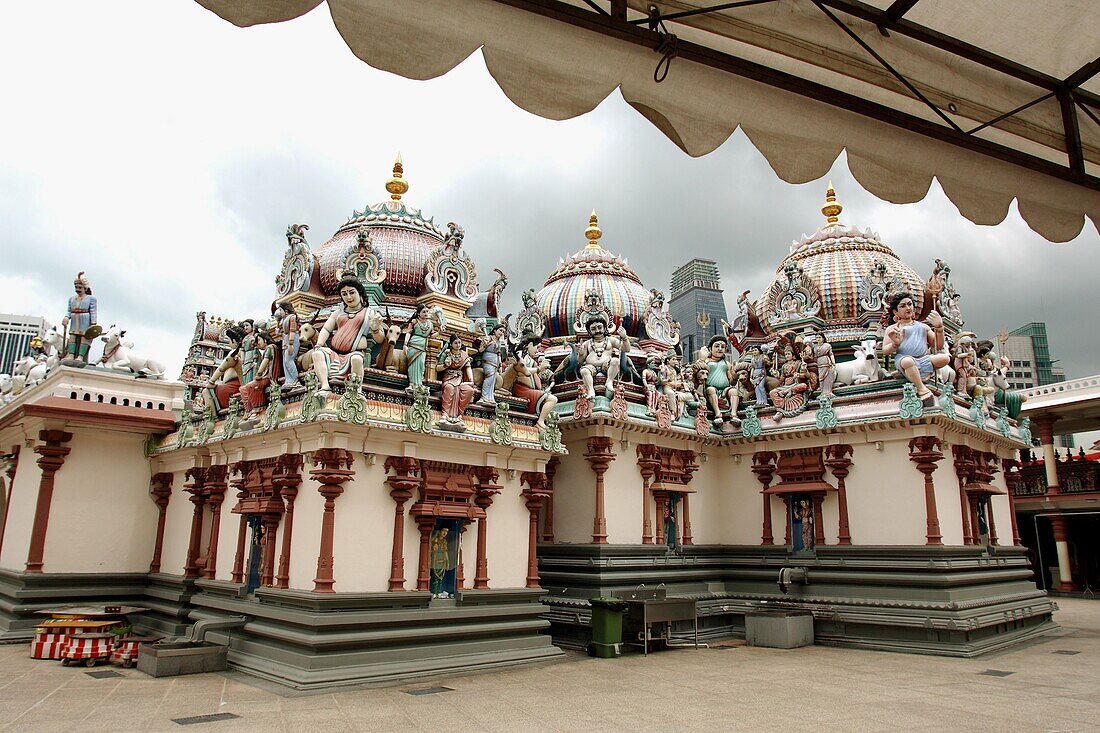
248 350
419 328
457 377
490 363
254 394
346 335
794 381
523 379
440 560
758 375
226 379
651 376
912 341
288 327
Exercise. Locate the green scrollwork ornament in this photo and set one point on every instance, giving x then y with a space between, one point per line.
352 407
947 401
418 416
911 406
311 401
276 411
550 437
233 418
826 415
501 430
750 425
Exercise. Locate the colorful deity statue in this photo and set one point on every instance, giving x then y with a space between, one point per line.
418 329
789 396
225 381
349 333
524 378
651 378
291 340
492 345
914 342
249 353
758 375
457 377
599 354
820 362
678 391
80 319
439 560
254 393
720 381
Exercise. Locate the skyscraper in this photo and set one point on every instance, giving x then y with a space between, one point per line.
696 302
1030 363
16 333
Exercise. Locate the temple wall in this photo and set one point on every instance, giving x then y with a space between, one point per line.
20 520
886 496
309 508
177 527
101 519
622 490
506 541
363 530
575 493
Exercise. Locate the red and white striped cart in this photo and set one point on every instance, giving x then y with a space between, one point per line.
51 636
91 649
126 649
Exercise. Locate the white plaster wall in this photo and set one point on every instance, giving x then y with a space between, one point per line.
505 540
227 537
102 518
885 496
575 494
177 527
830 513
706 504
948 505
622 494
363 531
743 508
309 507
24 498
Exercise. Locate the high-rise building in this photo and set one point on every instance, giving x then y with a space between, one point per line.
1030 363
696 302
16 333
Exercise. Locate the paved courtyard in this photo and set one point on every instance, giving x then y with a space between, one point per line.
1049 685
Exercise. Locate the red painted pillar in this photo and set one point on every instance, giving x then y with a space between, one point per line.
271 533
548 518
1061 544
329 473
1011 470
533 495
426 524
837 459
403 483
287 478
215 491
486 490
12 463
197 491
161 491
925 452
648 462
661 497
819 524
243 469
763 465
599 455
52 457
961 456
687 517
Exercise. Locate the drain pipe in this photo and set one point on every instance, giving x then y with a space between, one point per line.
198 631
790 576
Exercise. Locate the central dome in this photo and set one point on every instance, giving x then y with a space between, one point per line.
400 235
593 268
837 258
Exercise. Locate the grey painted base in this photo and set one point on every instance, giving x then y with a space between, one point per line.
173 659
779 629
953 601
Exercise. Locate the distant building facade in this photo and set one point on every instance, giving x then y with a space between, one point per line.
16 333
695 300
1030 364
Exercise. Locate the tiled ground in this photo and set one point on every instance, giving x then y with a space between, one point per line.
813 689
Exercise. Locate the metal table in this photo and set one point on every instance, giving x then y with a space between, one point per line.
646 607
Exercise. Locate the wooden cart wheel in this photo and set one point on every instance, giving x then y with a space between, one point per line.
90 662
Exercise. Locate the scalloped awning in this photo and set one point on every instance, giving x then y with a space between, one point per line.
997 99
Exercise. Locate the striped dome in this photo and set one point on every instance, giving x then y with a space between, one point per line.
836 258
593 268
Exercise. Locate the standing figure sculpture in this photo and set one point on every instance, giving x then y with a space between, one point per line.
794 381
758 375
524 379
491 346
440 561
226 379
419 328
598 354
671 377
347 335
291 341
249 353
821 362
914 341
254 393
720 381
453 368
81 315
651 377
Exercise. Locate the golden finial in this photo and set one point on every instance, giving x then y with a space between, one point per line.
593 232
832 207
397 185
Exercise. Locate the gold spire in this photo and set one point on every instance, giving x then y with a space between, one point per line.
397 185
593 232
832 207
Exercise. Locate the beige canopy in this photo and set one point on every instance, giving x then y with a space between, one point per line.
995 98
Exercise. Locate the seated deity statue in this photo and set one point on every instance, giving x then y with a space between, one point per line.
523 378
349 333
453 368
599 354
677 391
917 344
254 394
226 379
794 379
720 381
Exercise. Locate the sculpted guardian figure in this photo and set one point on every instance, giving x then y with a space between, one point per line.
599 354
348 333
914 341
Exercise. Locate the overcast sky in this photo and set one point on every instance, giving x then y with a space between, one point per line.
165 151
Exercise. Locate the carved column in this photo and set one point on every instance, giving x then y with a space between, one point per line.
648 462
925 452
1061 545
548 517
242 470
287 478
599 455
406 479
533 495
1011 467
161 491
197 491
51 458
816 500
687 517
988 469
215 493
961 459
1045 424
271 534
332 467
661 497
425 524
460 565
838 461
763 465
12 462
487 488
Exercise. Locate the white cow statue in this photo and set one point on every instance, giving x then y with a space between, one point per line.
864 368
32 369
118 354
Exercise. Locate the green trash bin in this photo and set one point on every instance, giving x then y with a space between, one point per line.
607 627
